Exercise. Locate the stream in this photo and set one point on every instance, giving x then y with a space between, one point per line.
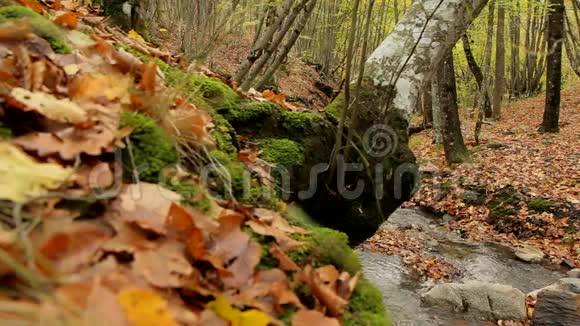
480 261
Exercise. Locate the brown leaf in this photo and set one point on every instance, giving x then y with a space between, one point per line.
313 317
278 221
74 247
244 265
16 31
284 241
165 266
32 4
99 88
146 205
68 19
327 274
148 81
286 263
346 285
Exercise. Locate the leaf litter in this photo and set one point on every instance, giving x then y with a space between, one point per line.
136 255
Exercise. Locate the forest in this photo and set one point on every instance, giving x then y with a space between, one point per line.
289 162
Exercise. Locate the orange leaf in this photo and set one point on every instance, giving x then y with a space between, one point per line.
32 4
56 5
56 245
195 244
68 19
148 76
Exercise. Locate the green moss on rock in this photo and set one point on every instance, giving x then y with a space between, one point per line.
41 26
366 307
284 152
5 132
152 149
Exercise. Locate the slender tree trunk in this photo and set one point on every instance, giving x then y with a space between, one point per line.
515 34
262 43
499 62
288 45
427 100
477 74
554 61
436 109
487 72
455 149
272 46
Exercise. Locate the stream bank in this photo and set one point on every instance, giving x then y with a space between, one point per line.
476 261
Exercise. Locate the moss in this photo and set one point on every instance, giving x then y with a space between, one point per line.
366 307
287 315
331 247
334 109
205 92
540 204
152 149
299 124
251 112
5 132
284 152
193 194
224 135
41 26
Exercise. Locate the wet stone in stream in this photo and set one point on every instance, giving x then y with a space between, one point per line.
478 261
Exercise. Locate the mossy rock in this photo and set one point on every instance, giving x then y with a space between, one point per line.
366 307
41 26
149 148
239 181
285 152
5 132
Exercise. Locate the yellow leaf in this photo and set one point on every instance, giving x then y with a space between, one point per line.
145 308
22 177
60 110
237 317
132 34
163 30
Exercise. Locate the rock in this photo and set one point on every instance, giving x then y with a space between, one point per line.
530 254
479 300
555 308
471 197
575 273
568 263
567 284
446 219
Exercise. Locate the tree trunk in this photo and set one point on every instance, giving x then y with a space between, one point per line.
382 168
427 100
554 71
499 62
272 46
288 45
476 71
455 149
487 74
436 109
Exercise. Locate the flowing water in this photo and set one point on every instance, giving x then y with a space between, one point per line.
477 260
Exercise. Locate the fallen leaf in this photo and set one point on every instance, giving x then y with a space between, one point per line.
146 205
148 81
145 308
286 263
62 110
21 177
165 266
132 34
99 88
68 19
285 242
236 317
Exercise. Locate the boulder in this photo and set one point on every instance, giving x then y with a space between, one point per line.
575 273
479 300
529 254
556 308
567 284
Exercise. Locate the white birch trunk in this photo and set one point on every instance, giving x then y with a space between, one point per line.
420 40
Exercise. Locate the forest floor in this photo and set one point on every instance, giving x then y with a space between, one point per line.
519 188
